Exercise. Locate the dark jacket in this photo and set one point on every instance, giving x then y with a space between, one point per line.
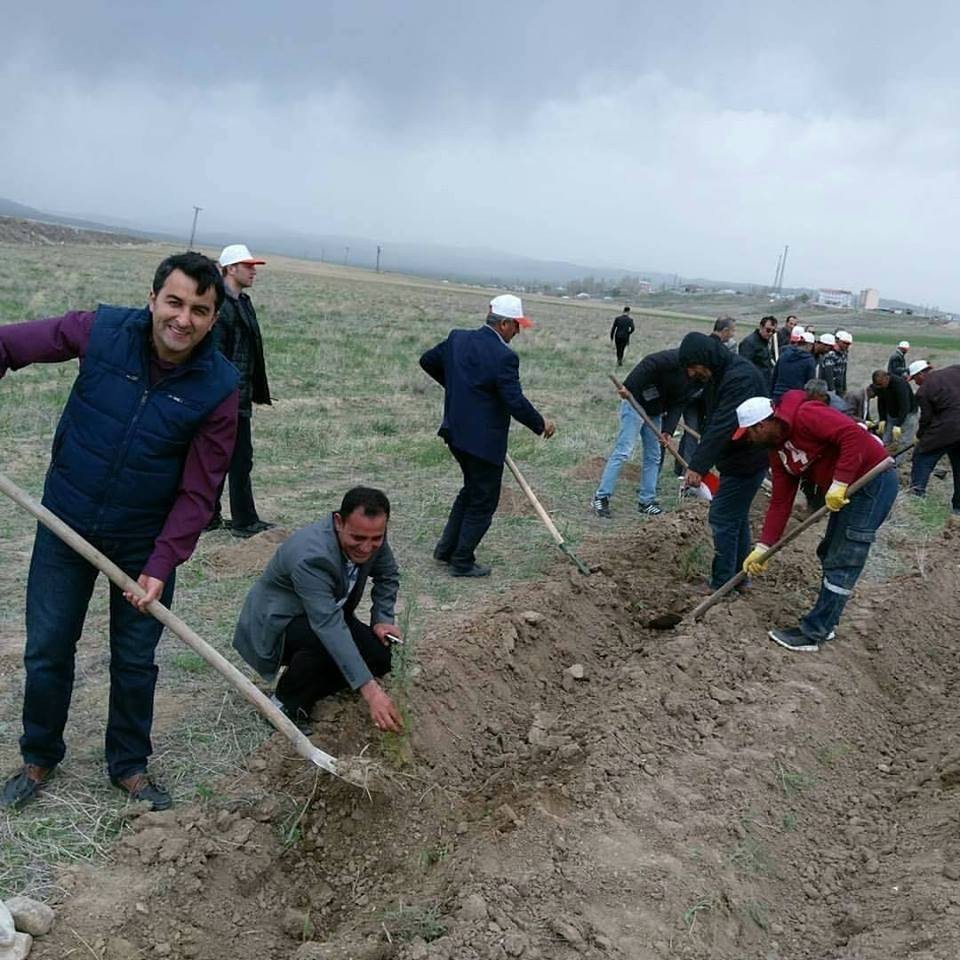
794 368
120 445
783 338
240 341
622 328
757 351
897 364
480 376
939 400
659 384
307 576
896 400
828 369
734 380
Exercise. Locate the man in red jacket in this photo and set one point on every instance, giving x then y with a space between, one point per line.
809 440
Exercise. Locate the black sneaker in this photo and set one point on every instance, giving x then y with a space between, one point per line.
299 717
793 638
652 509
140 788
477 570
23 786
601 507
252 529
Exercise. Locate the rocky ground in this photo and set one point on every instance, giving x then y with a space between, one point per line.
577 785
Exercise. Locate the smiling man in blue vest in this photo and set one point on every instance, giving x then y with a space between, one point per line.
141 447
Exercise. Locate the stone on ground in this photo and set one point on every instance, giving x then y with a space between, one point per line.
18 950
31 916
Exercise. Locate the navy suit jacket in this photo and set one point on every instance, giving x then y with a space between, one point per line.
480 376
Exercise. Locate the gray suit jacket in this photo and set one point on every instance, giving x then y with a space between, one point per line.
307 576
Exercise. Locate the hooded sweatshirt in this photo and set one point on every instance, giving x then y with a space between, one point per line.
794 368
733 381
822 445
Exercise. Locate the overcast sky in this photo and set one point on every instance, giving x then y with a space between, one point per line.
696 138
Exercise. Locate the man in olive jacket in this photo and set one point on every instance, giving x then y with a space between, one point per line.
301 612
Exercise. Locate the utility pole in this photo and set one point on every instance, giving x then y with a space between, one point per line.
783 266
193 229
346 255
776 273
379 251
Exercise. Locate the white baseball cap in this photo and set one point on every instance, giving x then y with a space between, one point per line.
797 332
750 413
237 253
904 345
918 366
808 337
844 337
509 307
829 339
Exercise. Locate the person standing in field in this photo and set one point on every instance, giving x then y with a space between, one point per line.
897 364
301 613
240 341
141 447
620 333
785 332
480 376
938 396
796 365
755 348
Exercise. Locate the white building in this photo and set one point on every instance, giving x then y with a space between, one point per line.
869 299
835 298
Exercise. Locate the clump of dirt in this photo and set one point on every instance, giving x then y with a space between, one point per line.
243 557
578 786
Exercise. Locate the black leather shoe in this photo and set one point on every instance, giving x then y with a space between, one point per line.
139 787
252 529
477 570
23 786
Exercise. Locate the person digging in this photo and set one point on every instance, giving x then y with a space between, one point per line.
809 440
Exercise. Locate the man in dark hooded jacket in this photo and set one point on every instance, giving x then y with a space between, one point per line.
794 368
742 467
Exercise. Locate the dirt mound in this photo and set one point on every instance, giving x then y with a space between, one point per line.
592 467
243 557
577 786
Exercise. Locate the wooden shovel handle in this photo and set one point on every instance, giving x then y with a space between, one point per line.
532 497
170 620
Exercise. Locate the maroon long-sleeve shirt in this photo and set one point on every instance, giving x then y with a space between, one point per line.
208 457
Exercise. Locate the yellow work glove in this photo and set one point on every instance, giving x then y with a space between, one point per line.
836 496
896 433
881 426
754 565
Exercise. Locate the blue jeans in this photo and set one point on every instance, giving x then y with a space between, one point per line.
631 426
729 519
844 549
58 591
923 465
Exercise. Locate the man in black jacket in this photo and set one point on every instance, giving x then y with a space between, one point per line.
620 333
661 386
897 364
742 466
240 341
756 349
784 333
896 407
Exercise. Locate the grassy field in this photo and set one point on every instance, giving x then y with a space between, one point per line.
352 406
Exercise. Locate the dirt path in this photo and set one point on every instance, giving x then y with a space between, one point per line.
695 794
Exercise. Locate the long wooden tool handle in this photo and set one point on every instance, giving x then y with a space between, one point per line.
693 433
169 619
532 497
670 445
789 537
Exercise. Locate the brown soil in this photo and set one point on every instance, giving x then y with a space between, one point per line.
592 467
696 794
236 557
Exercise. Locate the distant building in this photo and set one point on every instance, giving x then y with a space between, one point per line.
644 286
835 298
869 299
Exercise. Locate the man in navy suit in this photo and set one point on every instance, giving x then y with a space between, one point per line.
480 375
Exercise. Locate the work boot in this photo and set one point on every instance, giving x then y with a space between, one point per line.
23 786
139 787
476 570
251 529
793 638
601 507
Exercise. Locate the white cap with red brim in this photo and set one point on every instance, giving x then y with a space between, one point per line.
797 332
828 339
237 253
844 337
903 345
918 366
509 307
750 413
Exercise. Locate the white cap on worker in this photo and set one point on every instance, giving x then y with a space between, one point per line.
750 413
918 366
237 253
509 307
829 339
797 332
808 337
844 337
903 345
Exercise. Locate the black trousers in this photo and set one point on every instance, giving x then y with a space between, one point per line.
621 345
472 511
311 672
243 510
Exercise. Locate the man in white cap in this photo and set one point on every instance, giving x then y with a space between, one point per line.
824 352
796 364
240 341
480 376
897 364
842 348
809 440
938 395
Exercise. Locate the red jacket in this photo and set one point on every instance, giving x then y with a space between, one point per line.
822 445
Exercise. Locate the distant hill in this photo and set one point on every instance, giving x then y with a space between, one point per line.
38 233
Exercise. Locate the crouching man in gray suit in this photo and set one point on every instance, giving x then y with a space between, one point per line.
301 612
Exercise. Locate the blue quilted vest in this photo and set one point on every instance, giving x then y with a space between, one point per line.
120 446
